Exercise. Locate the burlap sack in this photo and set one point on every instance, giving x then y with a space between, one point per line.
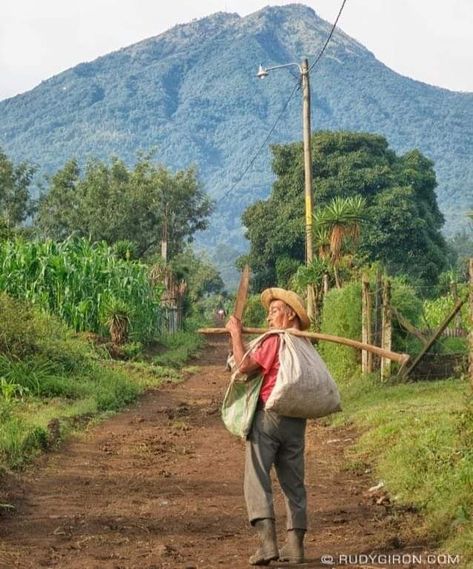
304 387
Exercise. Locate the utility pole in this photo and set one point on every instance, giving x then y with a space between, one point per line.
307 160
309 253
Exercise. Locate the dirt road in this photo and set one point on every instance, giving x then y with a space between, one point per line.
160 486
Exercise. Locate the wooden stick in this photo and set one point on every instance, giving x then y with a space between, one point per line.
435 337
401 358
242 292
404 322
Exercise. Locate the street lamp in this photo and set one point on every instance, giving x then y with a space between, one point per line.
309 254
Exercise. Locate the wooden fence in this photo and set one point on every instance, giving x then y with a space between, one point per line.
377 329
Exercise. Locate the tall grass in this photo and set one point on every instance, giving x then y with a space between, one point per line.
47 371
77 280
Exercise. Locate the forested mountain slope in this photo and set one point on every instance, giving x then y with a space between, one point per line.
192 94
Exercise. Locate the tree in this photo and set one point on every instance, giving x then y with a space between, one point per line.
112 203
203 282
15 200
403 222
461 248
197 270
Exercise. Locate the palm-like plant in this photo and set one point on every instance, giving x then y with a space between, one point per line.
309 275
116 315
322 241
338 222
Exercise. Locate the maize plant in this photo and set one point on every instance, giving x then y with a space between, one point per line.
435 311
76 279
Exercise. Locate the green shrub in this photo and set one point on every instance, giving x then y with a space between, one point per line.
40 360
341 316
255 313
132 350
5 410
26 331
19 441
179 347
9 390
451 345
114 390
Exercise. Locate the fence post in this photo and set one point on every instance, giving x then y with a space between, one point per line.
454 293
386 329
471 322
366 325
377 315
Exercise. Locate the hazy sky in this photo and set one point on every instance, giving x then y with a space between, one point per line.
429 40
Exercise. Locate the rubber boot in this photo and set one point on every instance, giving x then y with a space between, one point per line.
293 549
268 550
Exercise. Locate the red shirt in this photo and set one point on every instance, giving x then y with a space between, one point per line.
266 356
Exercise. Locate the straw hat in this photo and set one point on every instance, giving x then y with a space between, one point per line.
291 299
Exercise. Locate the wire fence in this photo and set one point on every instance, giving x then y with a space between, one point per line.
432 318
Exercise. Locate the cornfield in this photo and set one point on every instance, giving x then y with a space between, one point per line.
78 281
435 311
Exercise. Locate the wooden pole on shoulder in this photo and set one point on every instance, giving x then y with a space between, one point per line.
403 359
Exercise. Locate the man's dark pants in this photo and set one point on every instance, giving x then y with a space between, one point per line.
280 441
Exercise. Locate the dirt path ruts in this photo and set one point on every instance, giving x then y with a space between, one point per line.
160 486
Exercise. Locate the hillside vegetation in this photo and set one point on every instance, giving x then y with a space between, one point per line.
192 94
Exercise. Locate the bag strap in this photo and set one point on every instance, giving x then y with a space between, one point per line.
236 375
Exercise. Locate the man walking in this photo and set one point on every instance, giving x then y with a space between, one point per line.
273 439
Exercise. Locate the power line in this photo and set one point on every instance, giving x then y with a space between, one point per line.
263 144
329 36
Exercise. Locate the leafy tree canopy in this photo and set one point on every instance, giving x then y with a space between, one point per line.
15 202
403 221
461 247
197 270
113 203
